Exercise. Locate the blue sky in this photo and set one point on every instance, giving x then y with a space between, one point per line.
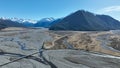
37 9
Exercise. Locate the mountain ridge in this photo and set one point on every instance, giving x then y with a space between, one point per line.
85 21
9 23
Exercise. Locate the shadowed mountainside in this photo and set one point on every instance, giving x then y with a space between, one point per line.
85 21
9 23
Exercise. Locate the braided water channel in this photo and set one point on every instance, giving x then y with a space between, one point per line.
22 46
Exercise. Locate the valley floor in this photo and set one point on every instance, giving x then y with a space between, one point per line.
38 48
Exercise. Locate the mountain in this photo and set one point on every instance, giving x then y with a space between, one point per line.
86 21
113 23
55 21
25 22
22 20
28 24
45 22
8 23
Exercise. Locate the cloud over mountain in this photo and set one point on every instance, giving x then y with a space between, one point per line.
110 9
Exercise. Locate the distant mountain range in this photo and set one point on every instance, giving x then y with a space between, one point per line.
86 21
45 22
24 22
8 23
19 20
78 21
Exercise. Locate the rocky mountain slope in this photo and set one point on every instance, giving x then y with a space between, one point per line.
9 23
86 21
45 22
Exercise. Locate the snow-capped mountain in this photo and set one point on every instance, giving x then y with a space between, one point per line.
47 19
45 22
8 23
19 20
23 20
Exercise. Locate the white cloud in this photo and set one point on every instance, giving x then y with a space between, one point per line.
109 9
